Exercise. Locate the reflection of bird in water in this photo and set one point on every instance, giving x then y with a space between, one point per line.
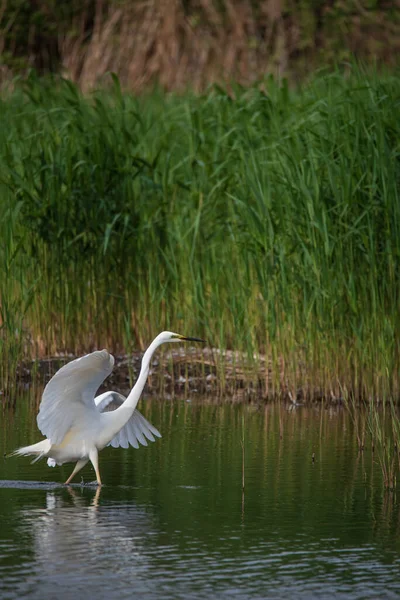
72 548
77 425
78 500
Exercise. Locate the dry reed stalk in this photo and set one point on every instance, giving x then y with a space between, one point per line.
193 43
157 40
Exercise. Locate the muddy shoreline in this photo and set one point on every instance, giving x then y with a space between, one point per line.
186 371
175 372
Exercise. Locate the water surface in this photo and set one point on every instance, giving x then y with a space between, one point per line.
172 521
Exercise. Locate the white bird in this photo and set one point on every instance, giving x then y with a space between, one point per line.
77 425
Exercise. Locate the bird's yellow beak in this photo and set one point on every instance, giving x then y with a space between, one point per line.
184 338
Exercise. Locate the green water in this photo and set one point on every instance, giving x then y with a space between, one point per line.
171 520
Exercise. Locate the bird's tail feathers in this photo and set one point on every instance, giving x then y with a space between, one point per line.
38 450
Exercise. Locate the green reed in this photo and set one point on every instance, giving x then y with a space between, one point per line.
266 220
384 428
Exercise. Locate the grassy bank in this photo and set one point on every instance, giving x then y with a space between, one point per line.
266 220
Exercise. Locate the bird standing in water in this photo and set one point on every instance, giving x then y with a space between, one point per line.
77 425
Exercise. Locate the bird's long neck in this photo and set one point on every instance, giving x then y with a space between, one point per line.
116 419
136 391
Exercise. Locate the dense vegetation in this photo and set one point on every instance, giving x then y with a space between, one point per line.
264 219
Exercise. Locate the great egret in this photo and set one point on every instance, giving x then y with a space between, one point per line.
77 425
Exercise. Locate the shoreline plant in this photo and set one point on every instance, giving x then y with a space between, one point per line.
264 219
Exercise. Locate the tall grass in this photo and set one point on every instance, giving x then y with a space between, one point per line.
266 220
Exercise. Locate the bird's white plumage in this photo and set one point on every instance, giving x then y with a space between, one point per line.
70 394
135 431
77 426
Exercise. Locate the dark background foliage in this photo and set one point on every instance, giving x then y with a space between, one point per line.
193 42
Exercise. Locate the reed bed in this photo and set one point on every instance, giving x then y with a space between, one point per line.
265 219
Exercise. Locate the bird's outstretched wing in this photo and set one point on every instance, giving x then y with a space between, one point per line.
135 431
70 391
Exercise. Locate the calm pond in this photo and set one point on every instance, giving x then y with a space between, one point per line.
171 520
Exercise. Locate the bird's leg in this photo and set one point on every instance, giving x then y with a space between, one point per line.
94 459
79 465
